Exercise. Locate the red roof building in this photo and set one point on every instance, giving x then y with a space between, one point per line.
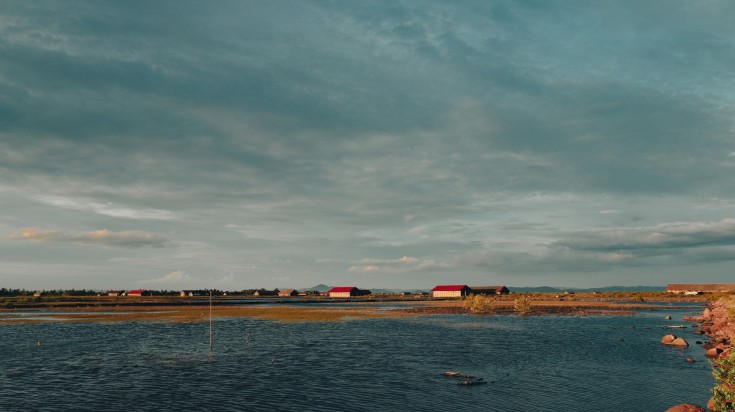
450 291
138 292
489 290
346 292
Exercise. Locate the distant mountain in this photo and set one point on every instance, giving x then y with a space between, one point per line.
324 288
320 287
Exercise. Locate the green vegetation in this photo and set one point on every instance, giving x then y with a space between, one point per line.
723 367
723 394
481 304
522 305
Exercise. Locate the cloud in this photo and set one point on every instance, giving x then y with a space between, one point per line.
678 235
107 209
130 239
176 277
181 279
405 264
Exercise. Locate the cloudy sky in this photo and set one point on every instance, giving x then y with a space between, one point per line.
243 144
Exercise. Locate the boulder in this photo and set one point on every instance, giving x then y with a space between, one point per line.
686 407
691 360
667 339
680 342
713 353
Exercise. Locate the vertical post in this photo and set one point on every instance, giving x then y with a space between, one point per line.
210 321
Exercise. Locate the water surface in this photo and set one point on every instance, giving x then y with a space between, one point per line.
546 363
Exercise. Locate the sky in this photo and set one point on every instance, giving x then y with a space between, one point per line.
398 144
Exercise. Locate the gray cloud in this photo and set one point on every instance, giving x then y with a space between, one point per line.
682 235
479 137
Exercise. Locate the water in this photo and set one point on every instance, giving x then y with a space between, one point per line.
549 363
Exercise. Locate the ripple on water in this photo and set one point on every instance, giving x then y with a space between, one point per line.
534 363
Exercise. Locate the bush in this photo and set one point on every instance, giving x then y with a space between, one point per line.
522 305
723 369
480 304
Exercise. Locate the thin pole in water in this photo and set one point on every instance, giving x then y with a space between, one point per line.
210 321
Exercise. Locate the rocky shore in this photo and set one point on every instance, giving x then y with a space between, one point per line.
717 322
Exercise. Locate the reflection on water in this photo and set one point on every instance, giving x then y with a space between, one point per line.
532 364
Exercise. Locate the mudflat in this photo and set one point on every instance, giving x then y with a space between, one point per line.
175 309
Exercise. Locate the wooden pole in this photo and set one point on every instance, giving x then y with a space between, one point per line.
210 321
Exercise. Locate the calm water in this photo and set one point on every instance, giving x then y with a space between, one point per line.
534 364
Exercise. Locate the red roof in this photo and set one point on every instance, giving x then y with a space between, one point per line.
342 289
137 292
449 288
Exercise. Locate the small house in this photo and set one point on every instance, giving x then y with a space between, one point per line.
138 292
450 291
288 293
115 293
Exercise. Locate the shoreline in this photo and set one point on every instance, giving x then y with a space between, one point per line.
302 310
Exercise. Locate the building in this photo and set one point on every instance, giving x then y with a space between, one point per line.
346 292
115 293
263 292
489 290
138 292
450 291
288 293
700 287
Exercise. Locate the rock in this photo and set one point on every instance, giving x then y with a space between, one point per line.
686 407
712 353
668 318
711 404
691 360
667 339
680 342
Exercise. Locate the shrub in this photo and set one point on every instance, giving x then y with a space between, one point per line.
723 395
479 304
522 305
